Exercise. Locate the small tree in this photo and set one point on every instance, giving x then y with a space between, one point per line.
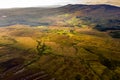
42 48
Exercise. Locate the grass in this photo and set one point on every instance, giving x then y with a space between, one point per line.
76 53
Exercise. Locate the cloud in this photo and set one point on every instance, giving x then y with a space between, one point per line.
112 2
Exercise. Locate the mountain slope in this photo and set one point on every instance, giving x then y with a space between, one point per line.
98 14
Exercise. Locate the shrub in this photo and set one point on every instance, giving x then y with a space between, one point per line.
42 48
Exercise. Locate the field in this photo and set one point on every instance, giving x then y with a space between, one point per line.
58 53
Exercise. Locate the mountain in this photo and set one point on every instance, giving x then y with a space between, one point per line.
94 10
106 17
101 15
51 43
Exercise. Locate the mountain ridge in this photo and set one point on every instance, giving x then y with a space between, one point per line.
41 16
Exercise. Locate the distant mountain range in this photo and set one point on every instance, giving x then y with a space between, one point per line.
103 15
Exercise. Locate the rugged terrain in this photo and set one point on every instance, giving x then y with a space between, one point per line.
61 53
72 42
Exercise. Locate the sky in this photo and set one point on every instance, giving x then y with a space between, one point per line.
42 3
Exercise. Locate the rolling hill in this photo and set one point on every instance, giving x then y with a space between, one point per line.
97 14
71 42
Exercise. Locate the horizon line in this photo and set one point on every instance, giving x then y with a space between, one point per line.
55 6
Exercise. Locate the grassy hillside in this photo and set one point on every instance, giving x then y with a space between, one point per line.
72 42
104 15
101 17
58 53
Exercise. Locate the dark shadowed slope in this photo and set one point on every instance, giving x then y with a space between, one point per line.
41 16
